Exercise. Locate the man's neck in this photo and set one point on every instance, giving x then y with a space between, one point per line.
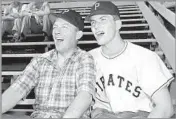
114 47
63 56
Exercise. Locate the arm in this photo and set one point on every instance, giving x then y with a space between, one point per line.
85 88
79 105
21 87
164 107
7 101
154 80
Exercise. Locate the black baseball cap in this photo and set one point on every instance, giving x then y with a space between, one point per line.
103 7
70 16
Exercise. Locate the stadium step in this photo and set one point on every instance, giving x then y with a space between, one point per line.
80 42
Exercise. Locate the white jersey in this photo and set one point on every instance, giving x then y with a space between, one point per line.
129 79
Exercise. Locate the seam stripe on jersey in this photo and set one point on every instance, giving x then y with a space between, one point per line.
163 85
101 100
126 44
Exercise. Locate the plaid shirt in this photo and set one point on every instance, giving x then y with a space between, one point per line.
56 88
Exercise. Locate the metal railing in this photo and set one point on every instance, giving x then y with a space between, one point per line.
164 38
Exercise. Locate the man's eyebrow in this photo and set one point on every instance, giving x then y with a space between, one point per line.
65 24
55 25
99 18
103 17
61 24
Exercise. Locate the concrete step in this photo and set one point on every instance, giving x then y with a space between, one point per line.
80 42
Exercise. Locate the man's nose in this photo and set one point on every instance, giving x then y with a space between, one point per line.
58 31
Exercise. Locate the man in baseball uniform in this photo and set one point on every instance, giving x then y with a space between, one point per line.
132 81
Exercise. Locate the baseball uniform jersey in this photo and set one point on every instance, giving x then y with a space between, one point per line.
127 81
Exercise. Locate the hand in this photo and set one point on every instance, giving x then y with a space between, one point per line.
96 112
37 18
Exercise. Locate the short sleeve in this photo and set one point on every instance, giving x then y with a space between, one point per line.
153 74
86 74
26 81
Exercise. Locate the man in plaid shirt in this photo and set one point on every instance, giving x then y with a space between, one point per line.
63 78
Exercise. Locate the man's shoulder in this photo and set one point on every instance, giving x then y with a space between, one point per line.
139 50
95 51
47 54
139 53
82 55
83 52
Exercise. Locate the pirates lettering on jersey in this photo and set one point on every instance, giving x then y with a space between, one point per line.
125 84
102 85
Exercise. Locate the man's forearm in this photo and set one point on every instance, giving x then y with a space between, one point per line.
161 112
164 107
79 105
9 99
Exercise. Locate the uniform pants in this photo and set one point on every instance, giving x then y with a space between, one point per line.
103 113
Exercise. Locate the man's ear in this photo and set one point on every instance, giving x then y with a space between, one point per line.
79 34
118 24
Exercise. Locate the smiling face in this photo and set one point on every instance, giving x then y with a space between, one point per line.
64 35
104 28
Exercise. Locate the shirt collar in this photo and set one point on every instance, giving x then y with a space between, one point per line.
52 55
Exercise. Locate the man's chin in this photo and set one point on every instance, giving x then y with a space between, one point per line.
100 42
59 49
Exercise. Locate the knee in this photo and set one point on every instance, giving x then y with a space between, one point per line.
18 19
